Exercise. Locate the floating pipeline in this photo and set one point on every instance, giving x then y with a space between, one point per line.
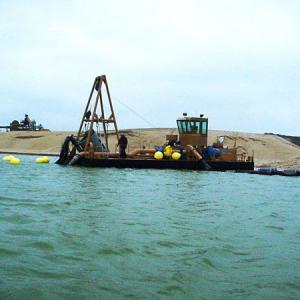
272 172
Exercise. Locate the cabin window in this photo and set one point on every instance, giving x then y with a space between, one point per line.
193 127
184 127
204 127
179 125
188 127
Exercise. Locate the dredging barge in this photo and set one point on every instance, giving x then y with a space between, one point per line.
187 150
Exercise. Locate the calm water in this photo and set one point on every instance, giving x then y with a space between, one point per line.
79 233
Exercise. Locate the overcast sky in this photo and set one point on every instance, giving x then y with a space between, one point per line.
236 61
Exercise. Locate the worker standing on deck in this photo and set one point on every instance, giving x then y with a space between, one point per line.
122 143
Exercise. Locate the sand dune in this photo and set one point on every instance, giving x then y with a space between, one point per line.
269 150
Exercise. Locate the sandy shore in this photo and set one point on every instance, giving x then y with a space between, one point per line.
269 150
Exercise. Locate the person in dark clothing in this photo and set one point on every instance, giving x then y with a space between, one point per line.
26 121
88 115
122 143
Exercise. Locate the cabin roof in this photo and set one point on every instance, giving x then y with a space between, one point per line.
192 119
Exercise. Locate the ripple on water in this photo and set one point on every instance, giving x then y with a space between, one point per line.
209 263
115 251
41 245
274 228
172 290
30 232
17 218
171 244
8 251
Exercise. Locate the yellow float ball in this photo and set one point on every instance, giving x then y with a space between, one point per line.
8 158
168 151
14 161
176 155
46 159
42 160
158 155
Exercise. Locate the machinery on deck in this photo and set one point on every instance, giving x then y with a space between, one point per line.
188 151
194 131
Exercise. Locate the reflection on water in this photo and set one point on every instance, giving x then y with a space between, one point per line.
79 233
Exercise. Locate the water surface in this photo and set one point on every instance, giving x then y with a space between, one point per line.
80 233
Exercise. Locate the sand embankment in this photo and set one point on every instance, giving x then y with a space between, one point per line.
269 150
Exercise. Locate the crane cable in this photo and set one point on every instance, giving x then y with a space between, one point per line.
134 112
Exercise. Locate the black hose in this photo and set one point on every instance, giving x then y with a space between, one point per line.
65 155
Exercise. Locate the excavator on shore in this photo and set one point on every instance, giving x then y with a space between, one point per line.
24 125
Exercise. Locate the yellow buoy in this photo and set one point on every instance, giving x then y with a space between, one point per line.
46 159
158 155
42 160
168 151
15 161
8 157
176 155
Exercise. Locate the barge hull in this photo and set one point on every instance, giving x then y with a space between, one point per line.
165 164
